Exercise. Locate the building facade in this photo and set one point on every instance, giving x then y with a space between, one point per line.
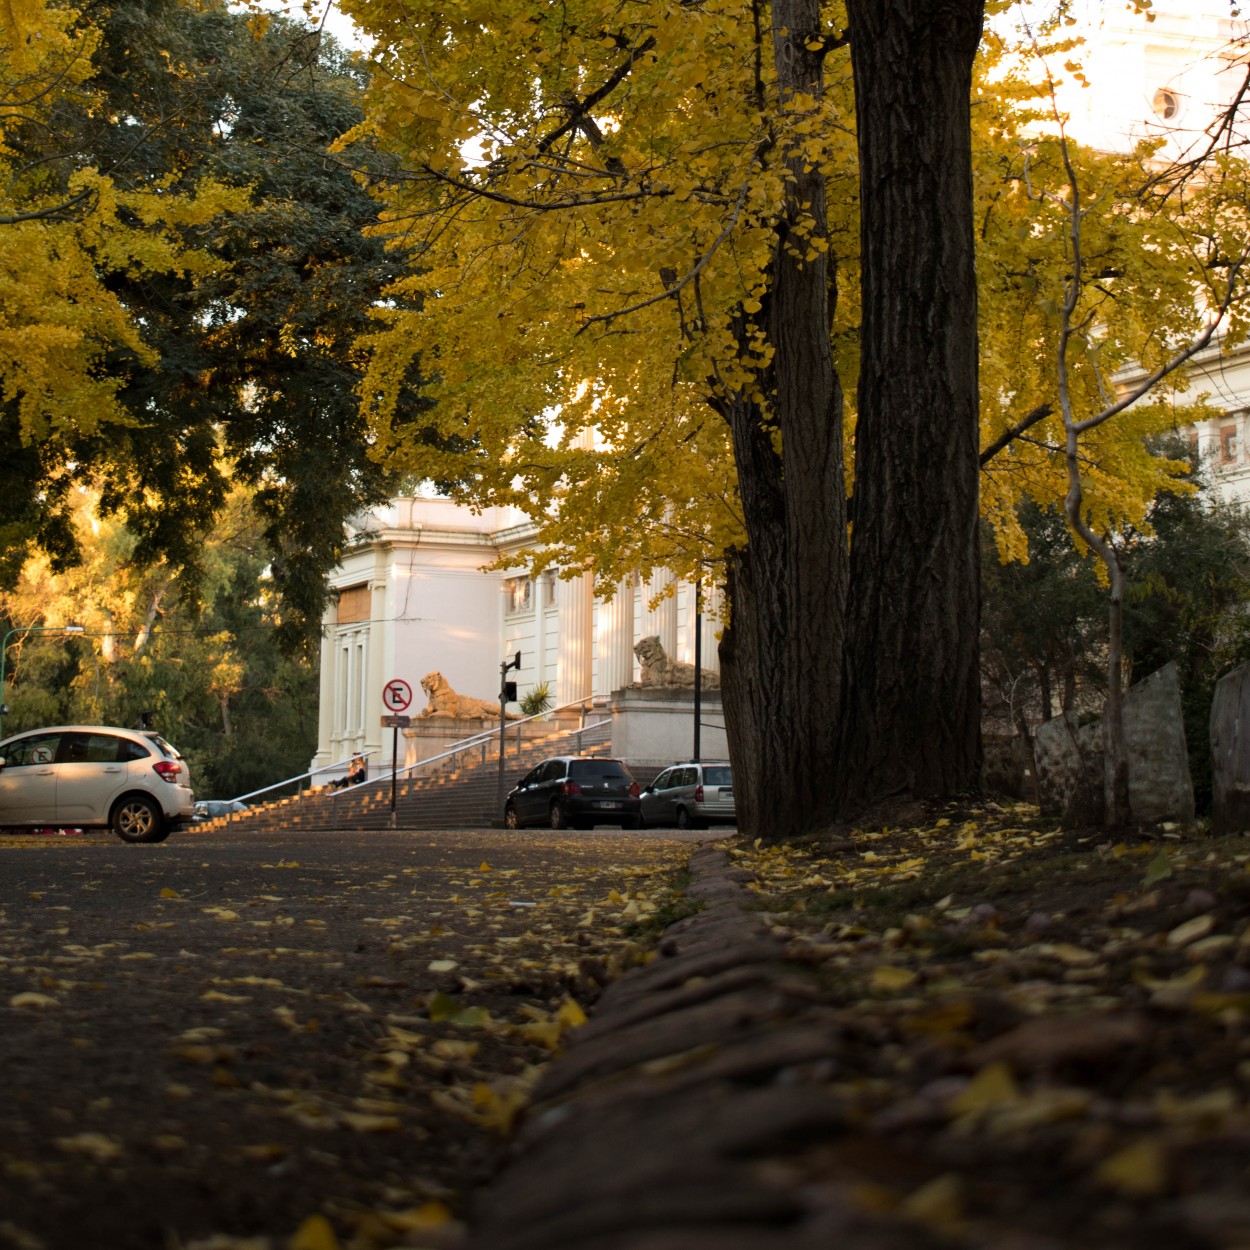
416 593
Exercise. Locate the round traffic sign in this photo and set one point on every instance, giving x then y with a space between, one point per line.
396 694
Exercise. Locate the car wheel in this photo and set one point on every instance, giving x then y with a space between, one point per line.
138 819
510 819
558 819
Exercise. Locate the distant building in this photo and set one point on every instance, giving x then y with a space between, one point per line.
1169 74
414 594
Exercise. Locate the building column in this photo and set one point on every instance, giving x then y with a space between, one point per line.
712 600
660 621
616 639
326 696
575 662
379 659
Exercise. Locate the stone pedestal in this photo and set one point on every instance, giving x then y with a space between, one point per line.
655 726
434 735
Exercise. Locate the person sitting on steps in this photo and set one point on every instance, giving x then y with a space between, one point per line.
356 773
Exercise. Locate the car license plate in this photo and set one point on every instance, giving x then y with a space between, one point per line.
606 803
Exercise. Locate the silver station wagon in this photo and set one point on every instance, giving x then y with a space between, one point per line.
94 776
691 795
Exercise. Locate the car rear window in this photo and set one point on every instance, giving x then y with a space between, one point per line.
163 746
718 776
597 768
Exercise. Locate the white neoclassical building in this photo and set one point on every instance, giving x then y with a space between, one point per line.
416 594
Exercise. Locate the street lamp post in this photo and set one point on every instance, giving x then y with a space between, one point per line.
24 630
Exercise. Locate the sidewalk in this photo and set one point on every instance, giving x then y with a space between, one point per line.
671 1113
982 1034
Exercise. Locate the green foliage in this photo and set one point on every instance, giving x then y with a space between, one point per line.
241 365
241 709
1045 622
537 700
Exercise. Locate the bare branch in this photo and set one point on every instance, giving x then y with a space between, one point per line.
1030 419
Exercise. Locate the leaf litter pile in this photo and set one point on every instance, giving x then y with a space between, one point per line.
236 1048
1039 1038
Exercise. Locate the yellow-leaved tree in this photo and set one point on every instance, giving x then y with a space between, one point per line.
656 245
67 231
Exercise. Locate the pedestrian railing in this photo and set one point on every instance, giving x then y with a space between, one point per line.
482 742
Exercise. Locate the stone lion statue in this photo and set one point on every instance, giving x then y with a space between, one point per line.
444 701
658 671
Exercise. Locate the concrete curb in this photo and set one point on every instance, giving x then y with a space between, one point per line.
691 1112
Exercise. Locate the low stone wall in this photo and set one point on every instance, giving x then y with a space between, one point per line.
1071 770
1230 752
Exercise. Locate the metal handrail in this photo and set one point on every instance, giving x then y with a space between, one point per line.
464 744
325 768
482 738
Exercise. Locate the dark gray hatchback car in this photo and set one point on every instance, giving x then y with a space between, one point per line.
574 792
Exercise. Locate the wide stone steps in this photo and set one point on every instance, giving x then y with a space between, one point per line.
465 798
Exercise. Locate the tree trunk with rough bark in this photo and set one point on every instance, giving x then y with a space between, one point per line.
911 689
781 655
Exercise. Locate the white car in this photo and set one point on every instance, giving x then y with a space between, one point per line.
131 781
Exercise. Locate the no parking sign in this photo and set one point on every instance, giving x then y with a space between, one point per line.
396 695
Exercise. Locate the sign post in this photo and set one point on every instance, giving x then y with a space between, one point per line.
507 694
396 697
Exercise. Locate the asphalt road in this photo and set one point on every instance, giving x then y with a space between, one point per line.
224 1035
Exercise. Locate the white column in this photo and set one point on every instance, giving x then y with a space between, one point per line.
575 662
616 639
712 599
661 620
540 627
326 704
378 659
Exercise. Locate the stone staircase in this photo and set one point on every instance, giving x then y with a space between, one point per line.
463 798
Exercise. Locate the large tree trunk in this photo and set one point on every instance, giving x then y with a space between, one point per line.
781 655
911 692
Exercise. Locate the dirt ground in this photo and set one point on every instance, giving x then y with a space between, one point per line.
1042 1037
984 1032
289 1043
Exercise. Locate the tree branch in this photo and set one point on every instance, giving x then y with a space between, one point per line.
1030 419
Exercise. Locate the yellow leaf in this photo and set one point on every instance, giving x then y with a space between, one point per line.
442 1006
1139 1170
315 1233
484 867
571 1015
100 1148
31 999
885 977
431 1214
441 965
166 892
1191 930
991 1087
937 1203
370 1123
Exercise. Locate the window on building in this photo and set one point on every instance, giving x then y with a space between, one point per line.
353 604
1166 104
518 594
1229 448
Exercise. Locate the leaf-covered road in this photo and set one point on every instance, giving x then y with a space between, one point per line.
227 1042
